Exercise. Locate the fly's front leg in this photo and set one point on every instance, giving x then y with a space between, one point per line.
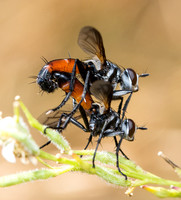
125 106
102 134
117 156
120 106
118 94
116 143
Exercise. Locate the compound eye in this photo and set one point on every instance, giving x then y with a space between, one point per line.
132 75
132 128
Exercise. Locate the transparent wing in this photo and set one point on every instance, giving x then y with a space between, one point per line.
90 41
52 119
103 91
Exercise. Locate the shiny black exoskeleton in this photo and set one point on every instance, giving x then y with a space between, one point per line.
46 81
105 122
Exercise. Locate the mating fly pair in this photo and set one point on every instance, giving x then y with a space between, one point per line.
61 73
56 73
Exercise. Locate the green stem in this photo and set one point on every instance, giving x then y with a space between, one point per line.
53 135
130 168
41 174
62 160
105 161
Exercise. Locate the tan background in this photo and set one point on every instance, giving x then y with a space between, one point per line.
143 34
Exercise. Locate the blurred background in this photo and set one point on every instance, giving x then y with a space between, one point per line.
141 34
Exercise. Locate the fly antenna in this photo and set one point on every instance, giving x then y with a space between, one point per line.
142 128
144 74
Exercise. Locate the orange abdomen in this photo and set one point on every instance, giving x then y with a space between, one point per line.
62 65
77 94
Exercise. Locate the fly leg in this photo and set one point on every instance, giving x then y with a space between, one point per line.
116 143
98 142
71 88
84 117
78 105
106 123
120 106
72 120
89 140
125 106
112 133
44 145
118 94
117 156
